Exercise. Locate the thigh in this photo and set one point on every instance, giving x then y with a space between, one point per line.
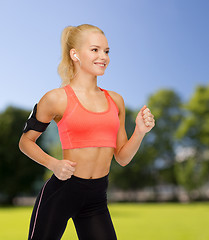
53 207
96 227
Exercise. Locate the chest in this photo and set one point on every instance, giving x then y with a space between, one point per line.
80 121
96 103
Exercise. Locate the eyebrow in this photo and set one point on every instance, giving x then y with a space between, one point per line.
98 46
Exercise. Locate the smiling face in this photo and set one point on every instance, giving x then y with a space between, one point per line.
93 53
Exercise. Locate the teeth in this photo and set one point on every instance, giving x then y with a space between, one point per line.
100 64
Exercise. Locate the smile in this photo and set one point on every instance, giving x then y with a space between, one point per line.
100 64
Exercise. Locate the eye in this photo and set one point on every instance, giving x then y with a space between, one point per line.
107 52
94 50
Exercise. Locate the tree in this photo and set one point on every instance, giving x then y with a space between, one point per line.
191 174
194 128
18 173
192 171
165 105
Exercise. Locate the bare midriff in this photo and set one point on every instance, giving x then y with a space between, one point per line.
92 162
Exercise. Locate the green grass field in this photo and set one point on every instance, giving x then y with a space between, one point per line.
131 221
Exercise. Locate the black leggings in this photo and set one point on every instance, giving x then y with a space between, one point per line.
83 200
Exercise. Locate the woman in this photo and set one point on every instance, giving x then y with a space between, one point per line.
91 122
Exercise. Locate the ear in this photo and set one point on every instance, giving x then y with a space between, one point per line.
72 52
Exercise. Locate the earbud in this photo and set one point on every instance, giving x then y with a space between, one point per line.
76 56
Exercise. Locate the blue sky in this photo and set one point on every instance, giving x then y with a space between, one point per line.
153 44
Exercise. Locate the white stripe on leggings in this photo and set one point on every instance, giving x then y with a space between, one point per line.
38 208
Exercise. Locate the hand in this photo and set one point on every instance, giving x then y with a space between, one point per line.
64 169
144 120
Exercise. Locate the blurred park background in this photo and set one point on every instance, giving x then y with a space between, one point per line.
159 56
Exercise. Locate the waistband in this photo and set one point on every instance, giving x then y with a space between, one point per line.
90 180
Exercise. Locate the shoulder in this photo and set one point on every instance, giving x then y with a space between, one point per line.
51 101
118 99
53 95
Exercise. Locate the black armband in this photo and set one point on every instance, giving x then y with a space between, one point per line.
33 124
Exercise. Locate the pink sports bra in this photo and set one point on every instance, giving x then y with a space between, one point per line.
80 128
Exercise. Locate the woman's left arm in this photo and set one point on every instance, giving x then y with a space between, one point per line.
126 149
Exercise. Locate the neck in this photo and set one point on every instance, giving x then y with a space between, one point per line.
84 82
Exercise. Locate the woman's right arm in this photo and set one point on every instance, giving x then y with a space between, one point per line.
47 110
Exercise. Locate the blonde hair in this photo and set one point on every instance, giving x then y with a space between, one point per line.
71 38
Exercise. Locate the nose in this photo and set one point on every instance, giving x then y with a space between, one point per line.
103 55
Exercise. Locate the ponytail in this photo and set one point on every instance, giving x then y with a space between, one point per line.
66 68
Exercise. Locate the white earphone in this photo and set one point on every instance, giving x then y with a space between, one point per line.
76 56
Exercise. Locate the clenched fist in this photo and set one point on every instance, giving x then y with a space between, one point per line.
145 120
64 169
